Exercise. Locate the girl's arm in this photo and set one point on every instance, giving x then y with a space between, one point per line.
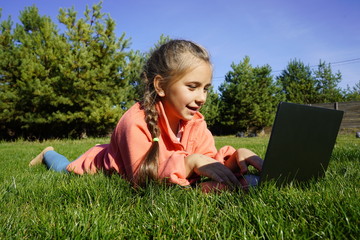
237 163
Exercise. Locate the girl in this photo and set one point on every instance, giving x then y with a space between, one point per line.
164 137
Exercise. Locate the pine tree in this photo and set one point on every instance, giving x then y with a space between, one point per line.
31 70
327 84
353 94
248 98
94 73
8 76
298 84
211 108
64 85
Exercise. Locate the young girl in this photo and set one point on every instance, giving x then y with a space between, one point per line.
164 137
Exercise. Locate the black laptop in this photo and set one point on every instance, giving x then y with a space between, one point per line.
300 145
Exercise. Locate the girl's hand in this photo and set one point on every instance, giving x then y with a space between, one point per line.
208 167
241 159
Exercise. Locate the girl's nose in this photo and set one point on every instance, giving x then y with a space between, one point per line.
201 97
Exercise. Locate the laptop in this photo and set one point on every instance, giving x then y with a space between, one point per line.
300 144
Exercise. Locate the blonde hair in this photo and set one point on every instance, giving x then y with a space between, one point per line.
170 61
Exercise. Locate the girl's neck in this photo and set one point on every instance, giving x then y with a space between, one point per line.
175 125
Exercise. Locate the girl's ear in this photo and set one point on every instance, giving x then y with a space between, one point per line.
158 86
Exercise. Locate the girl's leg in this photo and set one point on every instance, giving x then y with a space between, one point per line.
51 159
55 161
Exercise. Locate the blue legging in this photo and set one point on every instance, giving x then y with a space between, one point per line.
55 161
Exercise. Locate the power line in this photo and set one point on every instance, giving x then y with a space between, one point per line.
346 61
343 62
334 63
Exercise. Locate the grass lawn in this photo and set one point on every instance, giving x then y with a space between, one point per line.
40 204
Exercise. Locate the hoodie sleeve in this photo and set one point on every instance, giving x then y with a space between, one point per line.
173 168
205 145
224 153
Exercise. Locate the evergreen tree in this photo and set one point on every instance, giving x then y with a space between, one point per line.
8 76
64 85
353 94
94 73
248 97
31 71
211 108
297 83
327 84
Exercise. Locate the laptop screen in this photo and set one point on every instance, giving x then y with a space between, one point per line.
301 143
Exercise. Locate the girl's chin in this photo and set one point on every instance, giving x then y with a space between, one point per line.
188 117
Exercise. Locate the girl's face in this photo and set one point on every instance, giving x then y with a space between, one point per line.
183 98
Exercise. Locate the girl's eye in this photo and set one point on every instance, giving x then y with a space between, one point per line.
192 87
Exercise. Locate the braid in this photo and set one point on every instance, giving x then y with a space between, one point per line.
149 167
148 104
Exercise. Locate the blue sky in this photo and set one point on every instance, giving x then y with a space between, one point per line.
269 32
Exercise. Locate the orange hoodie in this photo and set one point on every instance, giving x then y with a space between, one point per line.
131 140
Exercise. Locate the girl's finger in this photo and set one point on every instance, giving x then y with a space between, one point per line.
243 166
228 176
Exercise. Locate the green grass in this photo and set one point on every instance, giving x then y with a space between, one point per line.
40 204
